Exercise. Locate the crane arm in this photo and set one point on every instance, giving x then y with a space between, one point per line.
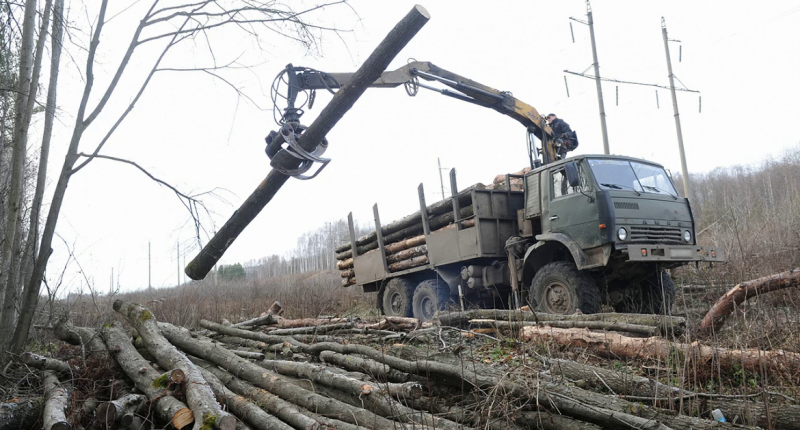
466 90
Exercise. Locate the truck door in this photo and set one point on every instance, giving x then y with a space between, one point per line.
571 209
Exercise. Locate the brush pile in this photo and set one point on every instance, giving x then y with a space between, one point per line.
473 369
404 242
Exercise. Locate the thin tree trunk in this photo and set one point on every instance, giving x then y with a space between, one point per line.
44 154
18 142
31 294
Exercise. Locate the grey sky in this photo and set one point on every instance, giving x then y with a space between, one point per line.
191 130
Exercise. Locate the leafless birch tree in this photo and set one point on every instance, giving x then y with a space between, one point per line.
166 26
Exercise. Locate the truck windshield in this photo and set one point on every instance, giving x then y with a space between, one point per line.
631 175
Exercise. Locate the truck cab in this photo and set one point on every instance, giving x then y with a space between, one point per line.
602 229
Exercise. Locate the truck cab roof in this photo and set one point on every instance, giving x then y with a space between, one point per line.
582 156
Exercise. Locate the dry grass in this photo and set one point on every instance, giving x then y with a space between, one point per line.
302 296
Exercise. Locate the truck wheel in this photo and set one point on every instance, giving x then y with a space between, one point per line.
397 298
560 288
430 296
647 296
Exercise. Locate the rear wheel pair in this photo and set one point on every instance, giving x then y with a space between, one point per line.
404 298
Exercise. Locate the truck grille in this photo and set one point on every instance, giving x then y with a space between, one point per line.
655 234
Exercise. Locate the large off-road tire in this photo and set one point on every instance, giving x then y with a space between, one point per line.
560 288
397 296
649 295
430 296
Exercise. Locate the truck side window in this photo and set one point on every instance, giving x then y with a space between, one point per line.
561 187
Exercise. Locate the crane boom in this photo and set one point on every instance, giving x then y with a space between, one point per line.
300 79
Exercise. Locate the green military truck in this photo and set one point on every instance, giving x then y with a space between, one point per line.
584 231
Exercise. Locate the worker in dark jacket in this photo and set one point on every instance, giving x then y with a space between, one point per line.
565 138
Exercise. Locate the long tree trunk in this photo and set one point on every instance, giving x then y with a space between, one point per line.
56 40
31 294
8 297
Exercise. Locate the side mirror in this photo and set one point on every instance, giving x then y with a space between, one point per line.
573 178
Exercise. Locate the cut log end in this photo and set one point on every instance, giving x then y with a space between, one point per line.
183 418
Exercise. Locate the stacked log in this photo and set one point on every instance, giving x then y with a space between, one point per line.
404 243
336 383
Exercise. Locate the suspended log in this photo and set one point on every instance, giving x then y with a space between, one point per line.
666 324
408 253
593 325
348 282
408 264
344 264
341 102
44 363
349 273
243 407
20 413
199 396
273 383
656 348
725 305
435 223
440 207
112 412
141 372
56 401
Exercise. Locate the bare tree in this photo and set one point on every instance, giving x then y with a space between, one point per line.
28 83
167 26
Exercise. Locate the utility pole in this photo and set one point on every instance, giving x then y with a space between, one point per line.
441 181
149 268
597 79
684 170
603 128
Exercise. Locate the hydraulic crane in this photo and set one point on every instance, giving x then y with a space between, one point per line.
303 79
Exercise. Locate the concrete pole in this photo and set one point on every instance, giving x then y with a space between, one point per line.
684 169
603 128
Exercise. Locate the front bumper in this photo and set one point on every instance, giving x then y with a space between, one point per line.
641 253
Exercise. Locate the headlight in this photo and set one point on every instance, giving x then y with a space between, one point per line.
622 234
687 236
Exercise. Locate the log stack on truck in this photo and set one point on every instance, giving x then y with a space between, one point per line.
404 240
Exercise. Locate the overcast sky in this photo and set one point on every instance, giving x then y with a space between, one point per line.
196 133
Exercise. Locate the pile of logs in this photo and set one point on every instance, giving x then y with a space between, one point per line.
275 373
403 240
